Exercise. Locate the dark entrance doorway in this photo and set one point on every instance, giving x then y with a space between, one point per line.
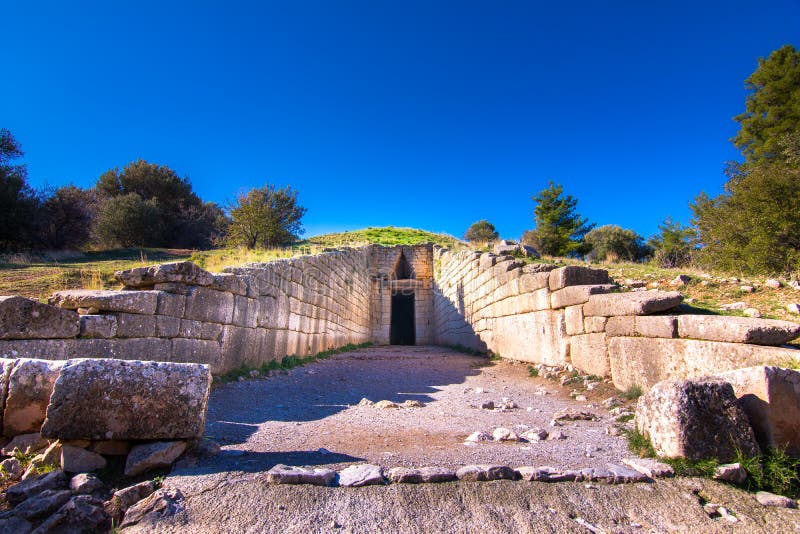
401 331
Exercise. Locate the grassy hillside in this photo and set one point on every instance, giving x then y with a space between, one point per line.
388 235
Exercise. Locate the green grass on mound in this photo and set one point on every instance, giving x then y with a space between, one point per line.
388 235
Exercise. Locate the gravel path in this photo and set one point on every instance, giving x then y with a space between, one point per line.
289 418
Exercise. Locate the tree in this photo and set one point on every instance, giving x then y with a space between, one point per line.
266 217
772 109
67 218
184 220
613 243
673 245
19 204
481 232
559 229
753 226
130 221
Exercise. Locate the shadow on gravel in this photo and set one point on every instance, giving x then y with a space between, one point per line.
256 462
323 389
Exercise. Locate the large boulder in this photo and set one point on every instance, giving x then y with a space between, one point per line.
184 272
737 329
634 303
695 419
103 399
29 388
22 318
770 396
142 302
574 275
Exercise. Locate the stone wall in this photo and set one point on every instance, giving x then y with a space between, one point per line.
572 315
177 312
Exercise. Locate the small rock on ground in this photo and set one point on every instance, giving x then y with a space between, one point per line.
356 476
770 499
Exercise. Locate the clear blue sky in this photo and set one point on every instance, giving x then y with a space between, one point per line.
410 113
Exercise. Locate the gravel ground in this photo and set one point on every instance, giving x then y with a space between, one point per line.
288 419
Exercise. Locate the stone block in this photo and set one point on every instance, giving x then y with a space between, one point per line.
204 304
645 361
533 281
149 456
171 304
487 261
78 460
132 325
22 318
737 329
98 326
574 275
695 419
592 325
621 326
200 330
167 326
574 295
573 319
199 351
634 303
117 399
5 374
30 385
285 474
141 302
770 396
245 311
589 353
537 337
184 272
232 283
657 326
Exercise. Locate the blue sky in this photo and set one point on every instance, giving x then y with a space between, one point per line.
415 113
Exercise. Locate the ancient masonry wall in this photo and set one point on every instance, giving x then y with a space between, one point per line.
572 315
248 315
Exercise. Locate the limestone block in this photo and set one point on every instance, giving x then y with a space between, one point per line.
167 326
171 304
200 330
184 272
657 326
173 288
245 311
5 373
132 325
635 303
142 302
199 351
646 361
30 385
232 283
622 325
244 346
22 318
770 396
573 318
574 275
100 326
104 399
737 329
487 260
592 325
573 295
204 304
532 281
589 353
695 419
149 456
537 337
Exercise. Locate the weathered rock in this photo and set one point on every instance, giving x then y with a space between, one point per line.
127 497
649 467
26 443
752 312
6 365
793 308
404 475
589 353
488 405
82 513
412 403
361 475
535 435
680 280
205 448
483 473
184 272
574 275
162 504
734 473
111 447
285 474
477 436
365 402
203 304
22 318
504 434
11 468
77 460
734 306
770 499
29 388
574 295
98 326
386 404
545 474
623 475
146 457
737 329
84 483
770 396
142 302
52 454
773 283
107 399
11 524
695 419
35 485
574 415
42 505
635 303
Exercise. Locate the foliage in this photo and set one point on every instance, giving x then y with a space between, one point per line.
533 372
174 214
774 471
559 229
481 232
613 243
632 393
387 235
68 215
639 444
266 217
772 109
753 227
674 245
19 203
